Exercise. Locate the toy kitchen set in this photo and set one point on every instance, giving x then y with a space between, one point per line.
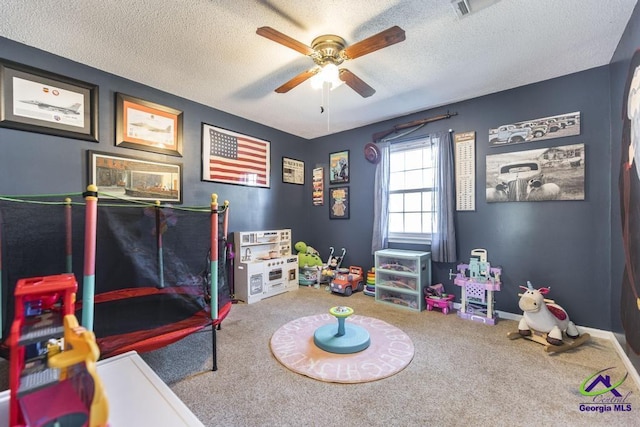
264 265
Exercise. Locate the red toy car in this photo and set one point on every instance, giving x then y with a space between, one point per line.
346 282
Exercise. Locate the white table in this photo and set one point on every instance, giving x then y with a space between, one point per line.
137 396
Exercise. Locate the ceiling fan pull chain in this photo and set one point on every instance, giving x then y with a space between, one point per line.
326 87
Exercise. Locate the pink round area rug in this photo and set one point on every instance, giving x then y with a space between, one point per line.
390 351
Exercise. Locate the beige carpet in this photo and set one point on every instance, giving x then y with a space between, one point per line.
390 351
462 374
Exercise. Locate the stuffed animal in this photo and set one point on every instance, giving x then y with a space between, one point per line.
543 316
307 256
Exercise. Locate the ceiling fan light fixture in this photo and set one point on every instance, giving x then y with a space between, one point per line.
328 73
329 51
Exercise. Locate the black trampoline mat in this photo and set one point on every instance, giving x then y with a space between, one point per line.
141 313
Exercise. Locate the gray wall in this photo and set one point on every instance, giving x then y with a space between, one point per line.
565 245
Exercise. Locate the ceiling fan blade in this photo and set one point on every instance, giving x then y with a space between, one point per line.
386 38
303 76
284 40
356 83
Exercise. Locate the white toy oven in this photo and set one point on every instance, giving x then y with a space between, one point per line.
264 266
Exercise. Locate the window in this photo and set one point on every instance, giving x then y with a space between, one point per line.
412 191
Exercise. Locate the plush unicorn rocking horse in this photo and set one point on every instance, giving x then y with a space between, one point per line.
545 322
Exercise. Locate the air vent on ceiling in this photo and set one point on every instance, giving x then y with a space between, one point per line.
461 7
467 7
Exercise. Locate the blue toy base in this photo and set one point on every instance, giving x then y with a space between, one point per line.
355 339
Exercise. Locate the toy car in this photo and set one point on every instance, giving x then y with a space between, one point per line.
513 179
346 282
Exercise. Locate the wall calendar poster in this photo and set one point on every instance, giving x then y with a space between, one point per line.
465 161
318 186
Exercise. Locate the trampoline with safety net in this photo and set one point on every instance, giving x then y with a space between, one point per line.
148 274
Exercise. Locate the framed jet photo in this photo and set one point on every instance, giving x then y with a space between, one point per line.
35 100
147 126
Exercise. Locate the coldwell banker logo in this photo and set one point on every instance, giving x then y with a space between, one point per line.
603 394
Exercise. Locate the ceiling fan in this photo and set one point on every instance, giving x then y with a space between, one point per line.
329 51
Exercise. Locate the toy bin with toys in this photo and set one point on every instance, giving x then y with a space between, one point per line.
401 277
309 264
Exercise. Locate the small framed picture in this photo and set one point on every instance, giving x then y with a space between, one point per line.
35 100
339 203
292 171
146 126
318 186
339 167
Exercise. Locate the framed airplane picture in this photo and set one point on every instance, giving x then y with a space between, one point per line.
35 100
147 126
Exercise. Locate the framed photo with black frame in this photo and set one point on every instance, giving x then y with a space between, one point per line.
147 126
339 167
135 178
292 171
35 100
339 202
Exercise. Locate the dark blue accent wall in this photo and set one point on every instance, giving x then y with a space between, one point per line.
572 246
562 244
33 163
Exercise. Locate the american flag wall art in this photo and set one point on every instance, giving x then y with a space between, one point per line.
233 158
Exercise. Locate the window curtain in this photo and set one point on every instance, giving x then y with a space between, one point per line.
443 240
380 239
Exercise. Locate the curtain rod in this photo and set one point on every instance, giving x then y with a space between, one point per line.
379 135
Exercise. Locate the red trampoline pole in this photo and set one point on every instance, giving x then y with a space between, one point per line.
68 234
159 244
1 305
89 279
213 260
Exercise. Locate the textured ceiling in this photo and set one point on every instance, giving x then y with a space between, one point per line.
208 50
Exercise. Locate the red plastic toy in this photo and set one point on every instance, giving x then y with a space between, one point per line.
52 373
